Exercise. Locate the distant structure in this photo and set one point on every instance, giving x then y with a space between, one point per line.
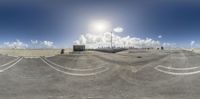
62 51
78 47
162 48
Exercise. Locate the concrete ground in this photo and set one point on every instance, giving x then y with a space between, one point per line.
131 74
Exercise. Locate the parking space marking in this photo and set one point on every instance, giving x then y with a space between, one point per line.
172 68
10 62
2 70
179 69
74 74
31 57
91 69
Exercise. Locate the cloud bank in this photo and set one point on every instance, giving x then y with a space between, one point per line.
16 45
103 40
42 44
47 44
34 41
169 45
33 44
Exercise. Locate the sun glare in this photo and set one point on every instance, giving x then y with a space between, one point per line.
100 26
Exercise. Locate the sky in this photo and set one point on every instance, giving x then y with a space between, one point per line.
62 23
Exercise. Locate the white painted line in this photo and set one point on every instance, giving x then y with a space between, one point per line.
135 70
174 73
91 69
74 74
31 57
172 68
2 70
10 62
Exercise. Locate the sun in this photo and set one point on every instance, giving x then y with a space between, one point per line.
100 26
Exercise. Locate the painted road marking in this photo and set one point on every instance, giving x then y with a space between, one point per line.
74 74
91 69
2 70
179 69
31 57
10 62
172 68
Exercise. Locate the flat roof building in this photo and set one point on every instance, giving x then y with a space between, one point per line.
78 47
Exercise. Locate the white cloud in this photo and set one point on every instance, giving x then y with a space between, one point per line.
118 29
34 41
47 44
169 45
159 36
103 40
192 43
35 44
16 45
42 44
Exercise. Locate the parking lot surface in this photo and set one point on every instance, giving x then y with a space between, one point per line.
131 74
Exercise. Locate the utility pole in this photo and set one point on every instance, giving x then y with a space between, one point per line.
124 43
111 40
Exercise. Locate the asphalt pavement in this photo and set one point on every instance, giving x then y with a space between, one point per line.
96 75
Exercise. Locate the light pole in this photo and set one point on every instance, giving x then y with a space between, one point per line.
111 40
101 26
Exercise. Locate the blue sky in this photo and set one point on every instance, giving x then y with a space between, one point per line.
63 21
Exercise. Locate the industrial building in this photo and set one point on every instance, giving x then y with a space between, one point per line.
78 47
